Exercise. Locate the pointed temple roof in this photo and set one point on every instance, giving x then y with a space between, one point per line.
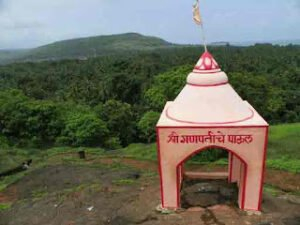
208 98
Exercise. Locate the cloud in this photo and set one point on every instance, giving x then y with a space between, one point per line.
30 23
16 25
296 4
1 5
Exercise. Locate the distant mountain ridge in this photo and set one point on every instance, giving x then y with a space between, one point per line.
82 48
88 47
277 42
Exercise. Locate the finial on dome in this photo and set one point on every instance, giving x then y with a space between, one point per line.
206 63
207 72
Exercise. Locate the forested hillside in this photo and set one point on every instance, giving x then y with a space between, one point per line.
83 48
114 100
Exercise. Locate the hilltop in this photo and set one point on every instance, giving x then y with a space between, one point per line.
107 45
83 48
122 187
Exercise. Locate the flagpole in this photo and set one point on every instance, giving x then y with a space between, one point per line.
204 38
198 20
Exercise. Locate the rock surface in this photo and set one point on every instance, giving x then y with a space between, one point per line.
205 194
61 194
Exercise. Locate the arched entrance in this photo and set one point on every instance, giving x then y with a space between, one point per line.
177 144
240 177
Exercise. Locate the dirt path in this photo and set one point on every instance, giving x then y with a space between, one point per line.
288 182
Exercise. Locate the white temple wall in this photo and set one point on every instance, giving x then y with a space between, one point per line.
176 145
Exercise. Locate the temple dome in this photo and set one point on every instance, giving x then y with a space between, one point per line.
208 98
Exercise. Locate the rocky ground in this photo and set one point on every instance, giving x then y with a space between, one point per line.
123 193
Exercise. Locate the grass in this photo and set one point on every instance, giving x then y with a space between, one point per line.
284 147
5 206
38 194
124 182
91 187
65 150
63 194
283 154
284 141
140 152
272 190
10 157
284 163
6 181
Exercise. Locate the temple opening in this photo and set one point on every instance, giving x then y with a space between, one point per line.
205 179
202 165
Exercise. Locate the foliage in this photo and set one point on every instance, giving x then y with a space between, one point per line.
147 126
260 92
166 86
23 119
4 143
113 143
83 129
278 157
42 103
85 47
209 155
119 118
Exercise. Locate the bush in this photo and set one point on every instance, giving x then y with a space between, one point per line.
3 142
113 143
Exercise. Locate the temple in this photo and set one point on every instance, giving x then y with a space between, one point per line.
208 113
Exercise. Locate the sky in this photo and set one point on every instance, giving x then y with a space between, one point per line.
31 23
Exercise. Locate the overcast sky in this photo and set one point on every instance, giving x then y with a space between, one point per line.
30 23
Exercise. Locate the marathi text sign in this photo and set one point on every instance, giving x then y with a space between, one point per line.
210 137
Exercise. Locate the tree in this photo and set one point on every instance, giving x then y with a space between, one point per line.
119 118
258 90
26 121
166 87
83 129
147 126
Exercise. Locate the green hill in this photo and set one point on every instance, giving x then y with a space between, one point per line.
8 55
83 48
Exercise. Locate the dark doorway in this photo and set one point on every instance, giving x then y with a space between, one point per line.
205 180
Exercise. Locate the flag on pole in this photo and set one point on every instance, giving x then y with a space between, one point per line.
196 13
198 20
